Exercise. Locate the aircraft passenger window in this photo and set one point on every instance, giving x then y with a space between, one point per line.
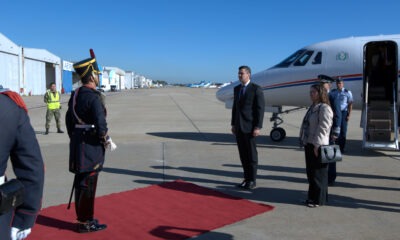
288 61
301 61
317 58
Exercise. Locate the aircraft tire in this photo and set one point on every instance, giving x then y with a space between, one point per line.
277 134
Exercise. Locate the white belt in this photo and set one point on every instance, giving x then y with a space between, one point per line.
2 179
85 126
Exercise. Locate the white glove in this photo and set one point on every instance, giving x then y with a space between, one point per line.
111 145
17 234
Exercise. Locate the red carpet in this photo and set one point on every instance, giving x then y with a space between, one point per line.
173 210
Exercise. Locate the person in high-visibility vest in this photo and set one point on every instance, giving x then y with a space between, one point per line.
52 99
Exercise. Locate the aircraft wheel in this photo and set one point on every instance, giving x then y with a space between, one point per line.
277 134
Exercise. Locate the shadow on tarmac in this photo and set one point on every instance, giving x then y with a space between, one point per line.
353 147
268 195
167 232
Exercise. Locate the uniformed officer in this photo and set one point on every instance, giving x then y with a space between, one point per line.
52 99
335 130
18 142
345 99
87 128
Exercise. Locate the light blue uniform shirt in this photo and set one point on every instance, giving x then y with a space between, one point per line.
344 98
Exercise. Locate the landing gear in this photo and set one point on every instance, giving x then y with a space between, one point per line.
277 133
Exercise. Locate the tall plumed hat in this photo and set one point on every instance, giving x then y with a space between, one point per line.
87 66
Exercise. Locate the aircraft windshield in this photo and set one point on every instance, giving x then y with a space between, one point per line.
288 61
303 59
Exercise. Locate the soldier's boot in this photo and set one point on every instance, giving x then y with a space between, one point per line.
90 226
47 131
59 130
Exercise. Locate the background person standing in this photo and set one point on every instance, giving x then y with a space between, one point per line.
345 99
52 99
247 120
335 130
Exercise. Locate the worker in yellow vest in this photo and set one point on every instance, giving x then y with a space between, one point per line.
52 99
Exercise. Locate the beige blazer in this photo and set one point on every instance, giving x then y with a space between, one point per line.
320 123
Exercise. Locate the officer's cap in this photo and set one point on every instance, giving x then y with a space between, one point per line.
87 66
325 79
339 79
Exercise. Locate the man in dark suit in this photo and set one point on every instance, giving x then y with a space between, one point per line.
247 120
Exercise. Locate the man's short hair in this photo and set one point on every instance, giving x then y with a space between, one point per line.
247 68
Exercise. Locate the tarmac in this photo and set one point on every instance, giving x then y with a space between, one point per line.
182 133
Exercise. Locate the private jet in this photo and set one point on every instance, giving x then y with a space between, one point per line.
369 68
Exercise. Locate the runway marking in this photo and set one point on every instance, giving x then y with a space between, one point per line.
188 118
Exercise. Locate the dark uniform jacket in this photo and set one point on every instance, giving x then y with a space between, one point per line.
86 145
18 141
248 110
337 114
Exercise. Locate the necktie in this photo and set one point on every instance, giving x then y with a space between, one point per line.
242 91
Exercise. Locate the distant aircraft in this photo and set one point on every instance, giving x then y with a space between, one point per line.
196 85
369 68
202 84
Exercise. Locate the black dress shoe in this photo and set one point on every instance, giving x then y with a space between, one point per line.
90 226
250 185
60 131
242 185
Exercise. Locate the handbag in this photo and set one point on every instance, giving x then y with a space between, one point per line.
329 154
11 195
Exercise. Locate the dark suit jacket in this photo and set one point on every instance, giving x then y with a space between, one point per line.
248 111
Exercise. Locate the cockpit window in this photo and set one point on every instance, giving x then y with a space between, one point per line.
288 61
318 58
303 59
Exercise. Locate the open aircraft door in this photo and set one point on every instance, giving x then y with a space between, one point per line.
380 106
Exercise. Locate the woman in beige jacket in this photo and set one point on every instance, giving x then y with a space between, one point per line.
315 132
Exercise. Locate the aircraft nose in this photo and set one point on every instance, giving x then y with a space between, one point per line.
224 93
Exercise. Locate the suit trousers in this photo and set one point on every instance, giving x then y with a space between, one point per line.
317 176
248 154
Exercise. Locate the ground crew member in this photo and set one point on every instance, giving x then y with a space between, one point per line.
87 129
52 99
19 144
345 99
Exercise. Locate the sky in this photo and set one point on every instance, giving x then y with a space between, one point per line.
188 41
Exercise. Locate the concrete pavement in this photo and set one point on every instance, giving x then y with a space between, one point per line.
182 133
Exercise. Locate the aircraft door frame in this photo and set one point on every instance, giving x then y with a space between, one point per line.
380 100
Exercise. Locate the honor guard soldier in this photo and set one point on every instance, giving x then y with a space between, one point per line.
19 144
87 129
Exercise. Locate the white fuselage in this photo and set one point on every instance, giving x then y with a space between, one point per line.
288 85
